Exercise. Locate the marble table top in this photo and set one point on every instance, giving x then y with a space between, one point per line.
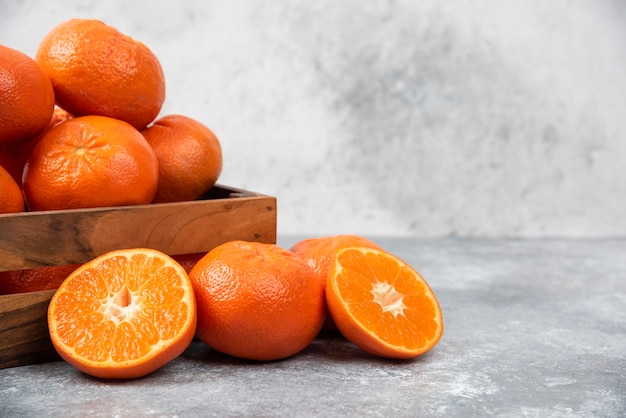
533 328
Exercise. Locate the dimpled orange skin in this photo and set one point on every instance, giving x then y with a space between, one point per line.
26 97
256 301
11 199
96 70
319 253
189 154
34 280
90 161
13 155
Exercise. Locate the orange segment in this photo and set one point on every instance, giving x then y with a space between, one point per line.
382 304
123 314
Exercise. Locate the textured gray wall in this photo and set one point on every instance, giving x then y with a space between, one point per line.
425 118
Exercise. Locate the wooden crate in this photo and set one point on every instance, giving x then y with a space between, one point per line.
36 239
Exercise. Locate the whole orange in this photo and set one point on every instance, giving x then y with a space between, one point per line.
189 154
13 155
11 199
96 70
34 280
256 301
320 252
90 161
26 96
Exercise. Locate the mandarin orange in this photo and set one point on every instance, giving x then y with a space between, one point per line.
34 280
319 253
382 304
189 154
11 198
90 161
26 97
256 301
13 155
124 314
96 70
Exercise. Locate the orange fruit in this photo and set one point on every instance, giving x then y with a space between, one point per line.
50 278
124 314
256 301
320 252
33 280
26 96
382 305
96 70
13 155
11 198
189 154
90 161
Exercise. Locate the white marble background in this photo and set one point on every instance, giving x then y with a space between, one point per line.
413 118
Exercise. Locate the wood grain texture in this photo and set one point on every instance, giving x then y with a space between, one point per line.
36 239
24 329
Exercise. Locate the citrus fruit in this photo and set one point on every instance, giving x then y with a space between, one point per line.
189 154
319 253
382 304
26 96
96 70
11 198
13 155
34 280
256 301
90 161
124 314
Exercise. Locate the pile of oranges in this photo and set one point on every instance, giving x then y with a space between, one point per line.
78 128
129 312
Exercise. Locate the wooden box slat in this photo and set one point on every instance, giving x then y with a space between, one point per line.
36 239
24 329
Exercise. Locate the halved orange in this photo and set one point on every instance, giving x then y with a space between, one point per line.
123 314
382 304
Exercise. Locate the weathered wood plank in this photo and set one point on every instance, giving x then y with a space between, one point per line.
37 239
24 329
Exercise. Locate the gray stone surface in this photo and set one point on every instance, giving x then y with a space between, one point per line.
532 328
